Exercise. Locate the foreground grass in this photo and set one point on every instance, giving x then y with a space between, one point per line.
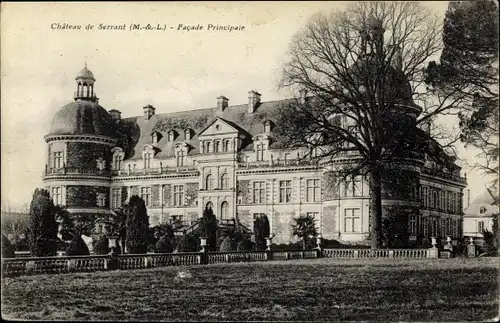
319 289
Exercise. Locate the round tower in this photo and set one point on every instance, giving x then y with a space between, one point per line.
77 169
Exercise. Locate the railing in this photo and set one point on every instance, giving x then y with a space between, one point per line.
442 174
76 171
267 164
379 253
154 170
238 256
64 264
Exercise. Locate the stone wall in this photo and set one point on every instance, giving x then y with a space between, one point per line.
85 196
155 195
167 195
330 187
243 190
329 222
85 154
191 194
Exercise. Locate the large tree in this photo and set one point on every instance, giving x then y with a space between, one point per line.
137 225
43 226
468 67
362 70
208 227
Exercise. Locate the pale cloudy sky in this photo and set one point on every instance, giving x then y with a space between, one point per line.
172 70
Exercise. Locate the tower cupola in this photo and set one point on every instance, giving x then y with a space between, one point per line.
85 86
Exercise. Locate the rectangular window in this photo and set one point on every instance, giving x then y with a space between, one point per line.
480 226
260 152
146 195
180 158
453 202
312 190
56 195
425 226
413 224
315 216
285 191
58 163
116 198
259 192
101 200
352 187
352 220
147 160
178 195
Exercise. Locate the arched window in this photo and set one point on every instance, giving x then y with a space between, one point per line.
267 126
171 135
209 146
224 181
226 145
217 146
209 182
224 210
187 134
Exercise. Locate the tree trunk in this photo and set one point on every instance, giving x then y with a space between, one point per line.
304 243
376 209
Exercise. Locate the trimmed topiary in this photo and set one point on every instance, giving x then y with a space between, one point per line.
245 245
227 245
77 247
164 245
7 248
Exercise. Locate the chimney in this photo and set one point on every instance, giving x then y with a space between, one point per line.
396 57
115 114
222 103
253 101
149 111
303 96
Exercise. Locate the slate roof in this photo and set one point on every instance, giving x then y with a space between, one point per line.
250 124
486 200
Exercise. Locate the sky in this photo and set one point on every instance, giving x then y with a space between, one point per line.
172 70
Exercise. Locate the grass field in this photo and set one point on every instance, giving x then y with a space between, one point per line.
318 289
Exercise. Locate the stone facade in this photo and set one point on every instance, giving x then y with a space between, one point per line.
228 158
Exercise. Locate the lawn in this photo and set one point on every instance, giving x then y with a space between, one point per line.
317 289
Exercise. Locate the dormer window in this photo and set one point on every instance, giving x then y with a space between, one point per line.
261 143
268 126
155 137
187 134
181 156
118 157
147 154
171 135
259 149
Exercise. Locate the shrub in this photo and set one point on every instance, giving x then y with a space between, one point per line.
164 245
42 225
245 245
227 245
101 246
77 247
7 248
189 243
137 225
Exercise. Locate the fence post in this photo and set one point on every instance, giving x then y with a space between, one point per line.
356 254
269 253
318 247
433 252
471 248
391 253
204 251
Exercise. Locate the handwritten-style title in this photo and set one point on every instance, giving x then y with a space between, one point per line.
140 27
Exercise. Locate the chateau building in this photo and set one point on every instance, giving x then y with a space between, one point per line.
226 157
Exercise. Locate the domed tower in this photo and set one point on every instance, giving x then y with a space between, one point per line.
82 134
